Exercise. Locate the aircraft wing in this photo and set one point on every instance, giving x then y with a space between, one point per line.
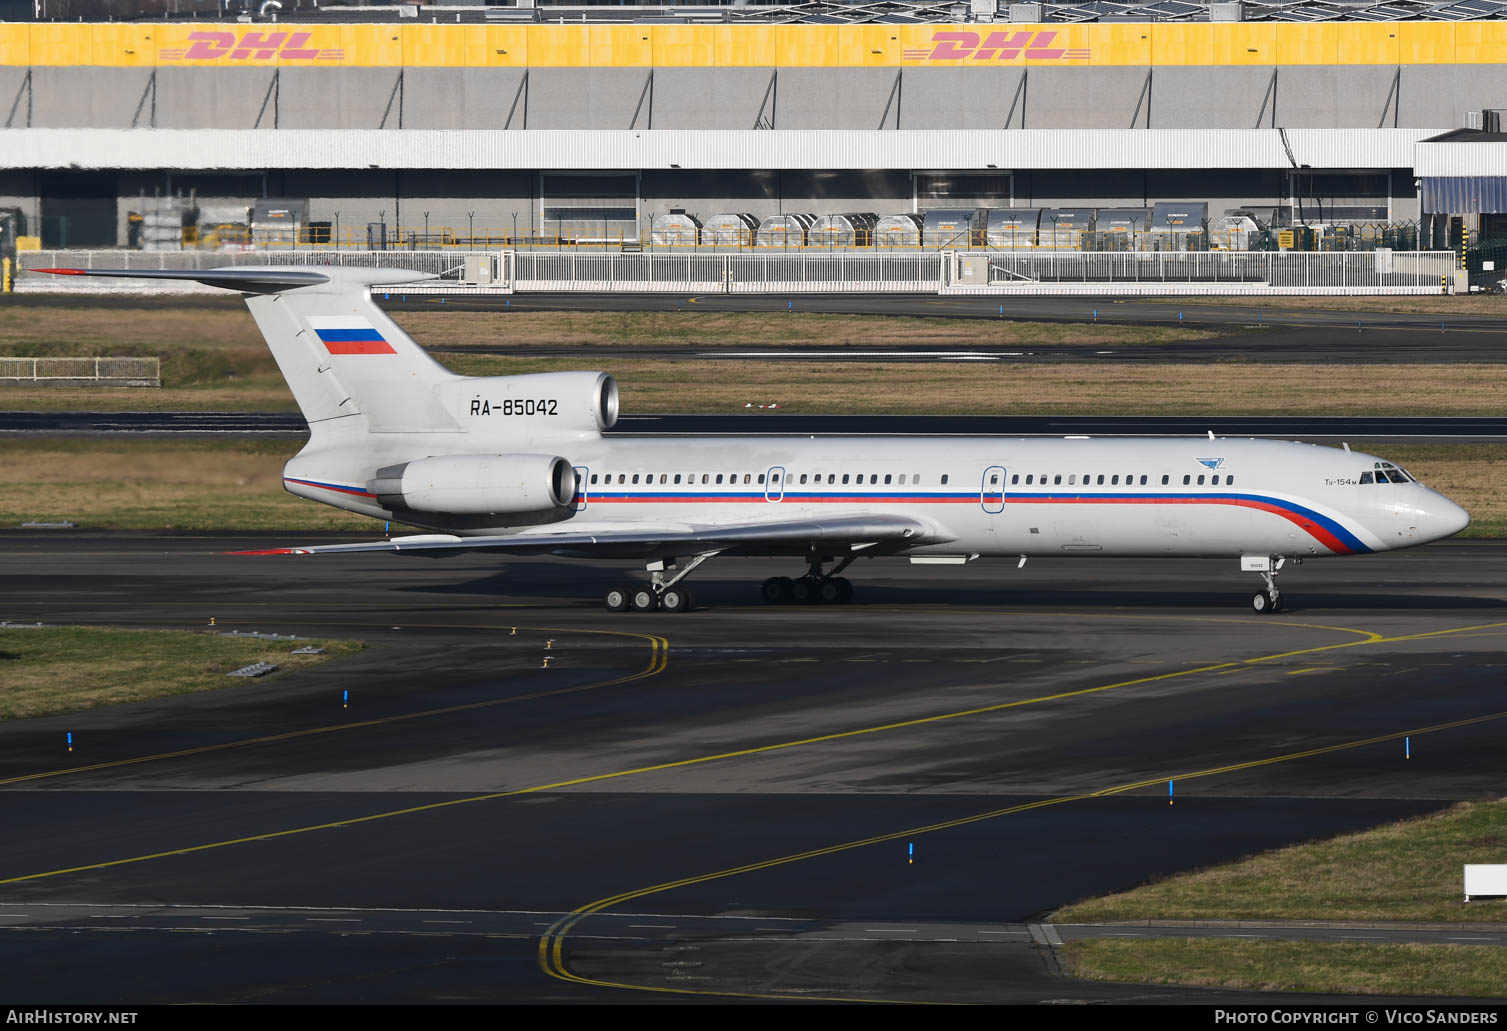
786 536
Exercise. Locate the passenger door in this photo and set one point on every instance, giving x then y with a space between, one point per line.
992 490
774 484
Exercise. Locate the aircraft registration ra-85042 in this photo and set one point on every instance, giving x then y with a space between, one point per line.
518 464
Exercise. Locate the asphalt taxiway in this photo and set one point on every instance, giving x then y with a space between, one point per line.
876 801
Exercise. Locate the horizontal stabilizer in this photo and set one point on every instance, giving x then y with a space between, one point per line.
259 279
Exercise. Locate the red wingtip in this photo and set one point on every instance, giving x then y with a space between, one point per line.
268 551
62 271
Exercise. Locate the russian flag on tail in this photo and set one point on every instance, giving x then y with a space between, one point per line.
349 334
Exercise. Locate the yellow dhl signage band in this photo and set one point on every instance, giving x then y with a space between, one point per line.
239 45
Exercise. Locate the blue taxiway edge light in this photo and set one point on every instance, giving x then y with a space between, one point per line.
1169 792
70 741
345 698
1407 748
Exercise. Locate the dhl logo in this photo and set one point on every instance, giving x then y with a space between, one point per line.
249 46
997 46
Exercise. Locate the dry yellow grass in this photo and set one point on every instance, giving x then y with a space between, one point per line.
1303 966
50 670
1407 871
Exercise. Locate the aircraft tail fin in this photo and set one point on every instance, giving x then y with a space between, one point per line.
343 357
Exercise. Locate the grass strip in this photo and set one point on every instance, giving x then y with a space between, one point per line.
1295 966
1406 871
50 670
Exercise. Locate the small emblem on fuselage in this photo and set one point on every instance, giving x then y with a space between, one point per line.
1211 463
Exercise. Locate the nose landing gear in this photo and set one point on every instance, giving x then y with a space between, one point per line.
1269 600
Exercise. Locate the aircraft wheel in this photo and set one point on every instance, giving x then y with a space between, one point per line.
617 599
675 599
844 589
644 599
1263 604
803 591
776 590
830 592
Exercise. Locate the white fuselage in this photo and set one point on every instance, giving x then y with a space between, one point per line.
981 495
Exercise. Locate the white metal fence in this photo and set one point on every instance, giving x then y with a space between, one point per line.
1107 272
1283 269
131 372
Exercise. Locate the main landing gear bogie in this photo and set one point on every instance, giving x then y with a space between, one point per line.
808 590
647 598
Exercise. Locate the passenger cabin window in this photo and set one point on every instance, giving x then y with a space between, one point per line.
1200 479
747 480
888 477
635 477
677 477
844 477
593 477
1229 481
719 477
665 477
1164 479
1014 478
1028 478
761 477
1057 478
1187 479
917 478
994 480
803 477
1115 479
1072 479
1143 480
1101 479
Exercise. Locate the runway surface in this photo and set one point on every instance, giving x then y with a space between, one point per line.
291 425
876 801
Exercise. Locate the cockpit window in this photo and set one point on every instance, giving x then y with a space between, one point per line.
1386 472
1366 477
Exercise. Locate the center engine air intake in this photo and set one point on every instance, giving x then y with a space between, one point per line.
477 484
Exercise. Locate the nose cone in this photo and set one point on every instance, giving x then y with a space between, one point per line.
1445 518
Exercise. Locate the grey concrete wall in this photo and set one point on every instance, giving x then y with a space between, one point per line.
1328 98
1065 98
462 98
13 98
326 98
88 98
833 98
699 98
962 98
1203 98
214 98
596 98
1432 97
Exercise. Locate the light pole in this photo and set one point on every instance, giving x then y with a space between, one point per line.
471 230
513 240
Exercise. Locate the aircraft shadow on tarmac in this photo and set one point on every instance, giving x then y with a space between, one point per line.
543 585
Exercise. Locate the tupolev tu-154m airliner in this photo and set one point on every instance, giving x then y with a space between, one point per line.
519 465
